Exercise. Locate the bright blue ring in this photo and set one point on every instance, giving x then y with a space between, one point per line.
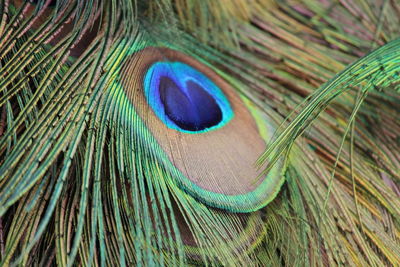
180 74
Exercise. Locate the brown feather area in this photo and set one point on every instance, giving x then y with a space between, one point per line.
219 161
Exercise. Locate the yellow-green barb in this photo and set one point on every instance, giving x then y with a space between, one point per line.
89 175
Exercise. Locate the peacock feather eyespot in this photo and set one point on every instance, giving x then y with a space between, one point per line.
185 99
206 134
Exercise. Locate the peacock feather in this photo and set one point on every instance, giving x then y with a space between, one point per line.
199 133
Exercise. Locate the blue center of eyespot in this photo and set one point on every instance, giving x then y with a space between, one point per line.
193 109
185 99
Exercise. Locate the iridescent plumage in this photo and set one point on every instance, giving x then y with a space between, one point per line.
178 132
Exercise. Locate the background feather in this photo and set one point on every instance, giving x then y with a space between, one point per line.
81 181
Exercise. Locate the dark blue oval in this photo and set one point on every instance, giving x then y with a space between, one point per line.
184 98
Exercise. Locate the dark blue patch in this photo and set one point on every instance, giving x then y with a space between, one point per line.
192 109
185 99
